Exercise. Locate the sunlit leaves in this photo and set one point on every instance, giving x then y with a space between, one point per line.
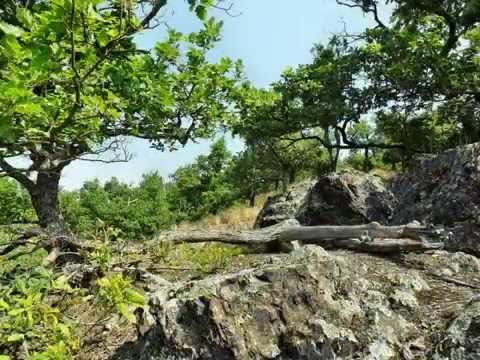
25 17
10 29
169 96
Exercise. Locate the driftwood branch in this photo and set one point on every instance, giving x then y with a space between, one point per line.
370 238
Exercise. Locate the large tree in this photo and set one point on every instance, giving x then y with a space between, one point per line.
422 64
73 81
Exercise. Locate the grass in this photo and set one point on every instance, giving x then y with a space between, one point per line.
238 217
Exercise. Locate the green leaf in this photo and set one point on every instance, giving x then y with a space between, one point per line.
11 29
16 312
25 17
11 46
135 297
5 357
201 12
29 109
126 313
15 337
3 304
103 38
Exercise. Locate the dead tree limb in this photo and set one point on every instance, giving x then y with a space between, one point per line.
370 238
57 243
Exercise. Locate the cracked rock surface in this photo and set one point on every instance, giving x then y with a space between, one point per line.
311 304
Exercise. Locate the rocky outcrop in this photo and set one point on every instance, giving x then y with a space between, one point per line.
314 305
346 198
441 190
462 339
281 207
444 189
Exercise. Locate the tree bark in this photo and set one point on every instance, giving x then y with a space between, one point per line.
285 181
371 238
366 161
44 195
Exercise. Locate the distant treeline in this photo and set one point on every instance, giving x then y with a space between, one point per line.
212 183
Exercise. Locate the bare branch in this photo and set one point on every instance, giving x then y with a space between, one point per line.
371 8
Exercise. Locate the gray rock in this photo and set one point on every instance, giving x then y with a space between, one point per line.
307 305
462 340
283 207
346 198
444 189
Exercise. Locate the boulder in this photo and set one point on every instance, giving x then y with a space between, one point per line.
282 207
305 305
346 198
443 189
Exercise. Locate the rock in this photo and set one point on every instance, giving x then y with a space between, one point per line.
305 305
347 198
443 189
283 207
81 275
462 340
464 237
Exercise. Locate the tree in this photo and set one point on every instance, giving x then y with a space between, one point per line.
203 188
422 65
136 211
73 81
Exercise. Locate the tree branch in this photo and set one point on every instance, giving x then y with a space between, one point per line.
16 174
373 237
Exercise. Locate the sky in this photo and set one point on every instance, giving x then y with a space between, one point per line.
268 35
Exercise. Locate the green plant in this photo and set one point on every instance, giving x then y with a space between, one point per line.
117 292
74 80
28 321
102 256
206 258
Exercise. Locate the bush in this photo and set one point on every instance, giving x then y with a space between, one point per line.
15 205
137 211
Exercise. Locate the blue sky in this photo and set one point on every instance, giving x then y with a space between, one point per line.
268 35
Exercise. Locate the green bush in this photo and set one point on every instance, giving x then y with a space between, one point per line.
137 211
29 323
15 206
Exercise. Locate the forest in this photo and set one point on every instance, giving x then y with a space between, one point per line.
75 85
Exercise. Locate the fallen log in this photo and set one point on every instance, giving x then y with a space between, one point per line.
370 238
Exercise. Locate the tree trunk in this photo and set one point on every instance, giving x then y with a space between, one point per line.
370 238
292 176
285 181
366 161
337 150
44 195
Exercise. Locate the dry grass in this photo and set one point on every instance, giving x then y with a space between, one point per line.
239 217
383 173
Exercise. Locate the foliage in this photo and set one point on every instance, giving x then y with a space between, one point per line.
73 81
116 292
202 188
206 258
15 206
138 211
30 323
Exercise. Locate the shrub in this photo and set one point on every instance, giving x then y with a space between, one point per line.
15 205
